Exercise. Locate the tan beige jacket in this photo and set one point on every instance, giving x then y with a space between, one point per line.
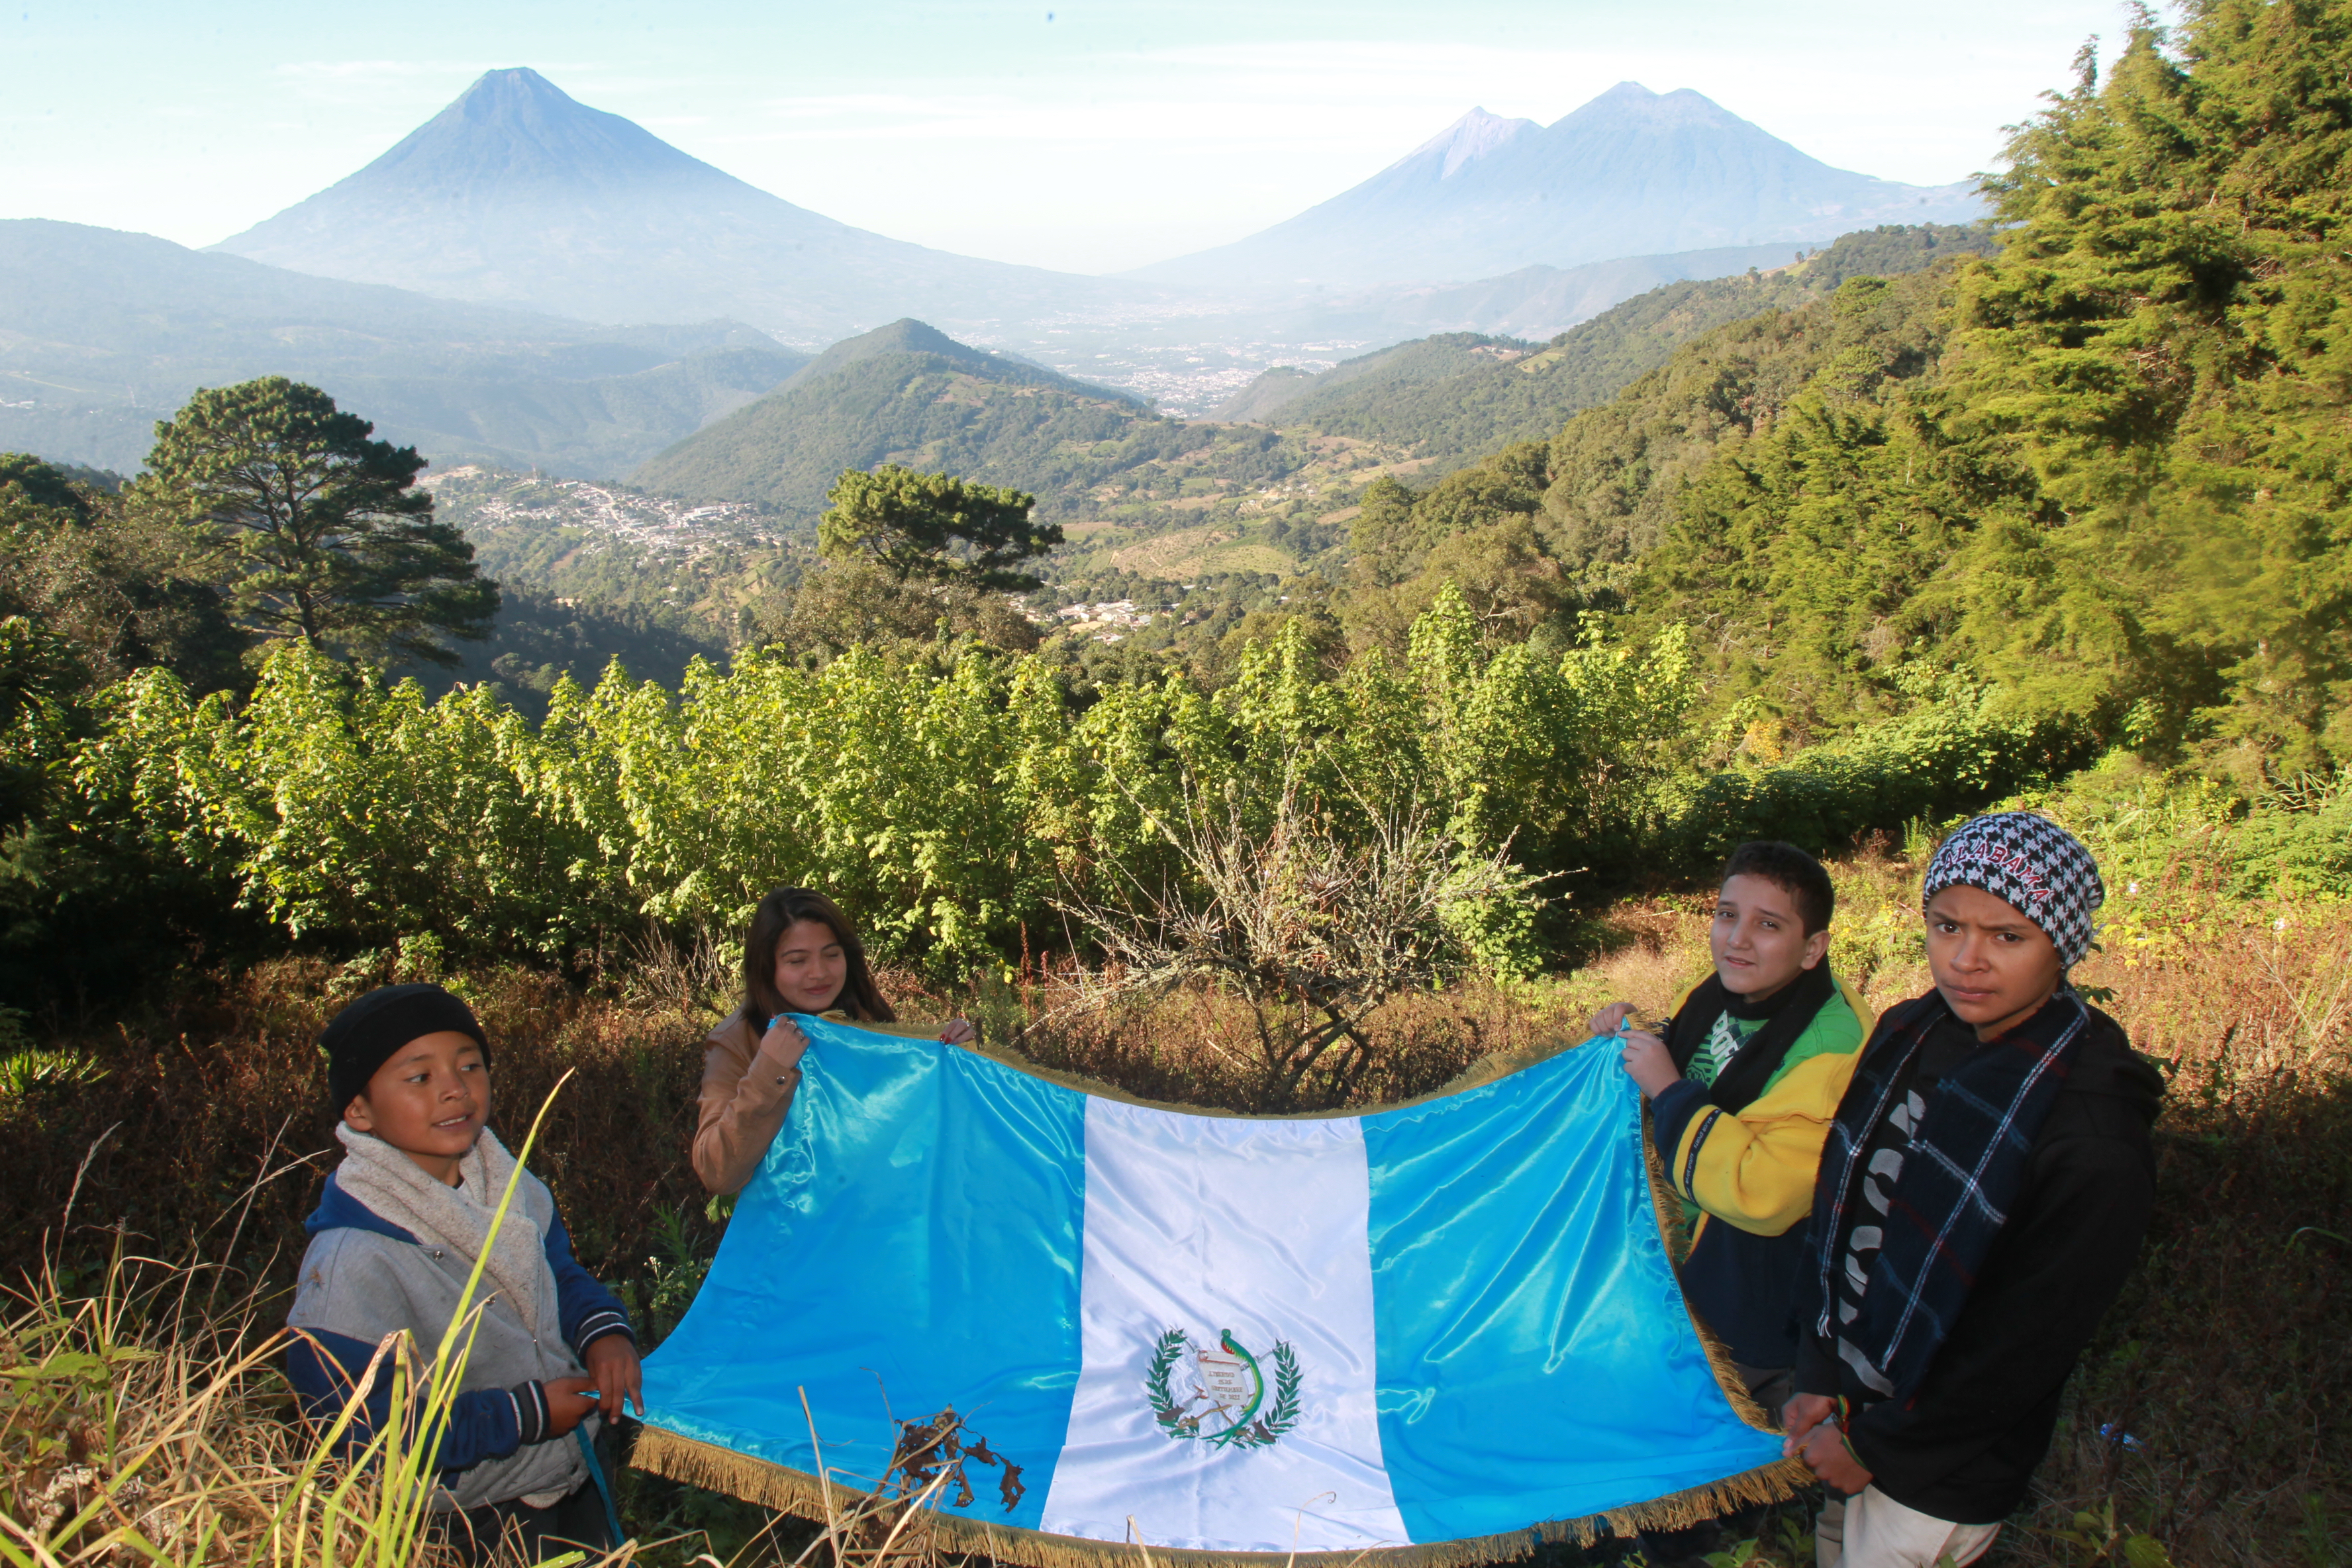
745 1093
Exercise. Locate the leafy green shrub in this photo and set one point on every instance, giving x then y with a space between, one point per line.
946 808
1935 763
2303 846
2190 838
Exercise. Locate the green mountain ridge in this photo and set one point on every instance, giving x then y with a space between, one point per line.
908 336
1376 379
1257 488
1499 390
1257 403
907 394
1603 489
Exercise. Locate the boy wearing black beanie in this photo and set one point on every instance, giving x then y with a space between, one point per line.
405 1219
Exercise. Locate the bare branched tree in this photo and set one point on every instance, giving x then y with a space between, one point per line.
1312 923
696 969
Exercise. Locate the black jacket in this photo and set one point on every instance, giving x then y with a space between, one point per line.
1964 1447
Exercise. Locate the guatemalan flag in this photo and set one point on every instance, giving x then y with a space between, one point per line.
1436 1322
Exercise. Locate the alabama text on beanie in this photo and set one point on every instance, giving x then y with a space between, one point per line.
2032 864
363 1037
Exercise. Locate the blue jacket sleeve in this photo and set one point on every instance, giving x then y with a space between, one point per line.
1671 1112
488 1424
586 1310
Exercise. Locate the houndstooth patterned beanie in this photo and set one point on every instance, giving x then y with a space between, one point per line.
2034 864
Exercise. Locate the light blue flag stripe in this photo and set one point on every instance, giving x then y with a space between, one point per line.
1535 1360
917 1218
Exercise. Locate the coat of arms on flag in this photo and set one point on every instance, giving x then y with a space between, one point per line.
1435 1332
1224 1403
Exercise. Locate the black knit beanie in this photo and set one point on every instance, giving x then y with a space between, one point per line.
363 1037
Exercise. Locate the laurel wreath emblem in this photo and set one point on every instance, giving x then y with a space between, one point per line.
1267 1427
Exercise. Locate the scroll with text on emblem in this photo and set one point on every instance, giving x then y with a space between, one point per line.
1433 1332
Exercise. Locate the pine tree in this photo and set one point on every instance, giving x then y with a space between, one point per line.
935 526
2166 341
318 532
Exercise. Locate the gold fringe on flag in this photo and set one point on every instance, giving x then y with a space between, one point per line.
788 1490
1667 1203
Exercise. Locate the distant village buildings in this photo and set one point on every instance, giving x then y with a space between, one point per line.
1108 620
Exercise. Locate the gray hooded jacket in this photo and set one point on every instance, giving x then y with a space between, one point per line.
366 1276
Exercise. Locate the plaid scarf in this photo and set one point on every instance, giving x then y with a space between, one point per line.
1966 1161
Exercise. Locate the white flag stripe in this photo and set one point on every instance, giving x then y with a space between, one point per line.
1209 1223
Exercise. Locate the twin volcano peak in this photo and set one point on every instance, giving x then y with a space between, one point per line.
1631 172
1630 102
1468 139
1629 107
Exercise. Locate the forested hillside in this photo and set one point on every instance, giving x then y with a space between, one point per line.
1256 487
1604 489
1379 378
909 393
1550 527
1448 398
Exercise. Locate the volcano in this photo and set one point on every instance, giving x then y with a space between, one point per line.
518 194
1632 173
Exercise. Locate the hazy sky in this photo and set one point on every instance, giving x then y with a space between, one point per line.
1085 134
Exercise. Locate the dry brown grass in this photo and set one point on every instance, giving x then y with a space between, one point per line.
116 1434
1201 1047
142 1421
194 1100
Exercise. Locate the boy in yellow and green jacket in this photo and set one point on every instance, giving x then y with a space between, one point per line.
1743 1084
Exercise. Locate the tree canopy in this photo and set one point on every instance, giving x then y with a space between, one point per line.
935 526
109 591
2165 346
319 532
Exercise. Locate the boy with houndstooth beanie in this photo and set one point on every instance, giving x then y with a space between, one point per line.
1982 1196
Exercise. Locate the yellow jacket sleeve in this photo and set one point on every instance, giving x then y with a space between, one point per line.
1756 1170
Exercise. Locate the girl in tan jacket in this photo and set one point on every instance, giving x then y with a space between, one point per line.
801 956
